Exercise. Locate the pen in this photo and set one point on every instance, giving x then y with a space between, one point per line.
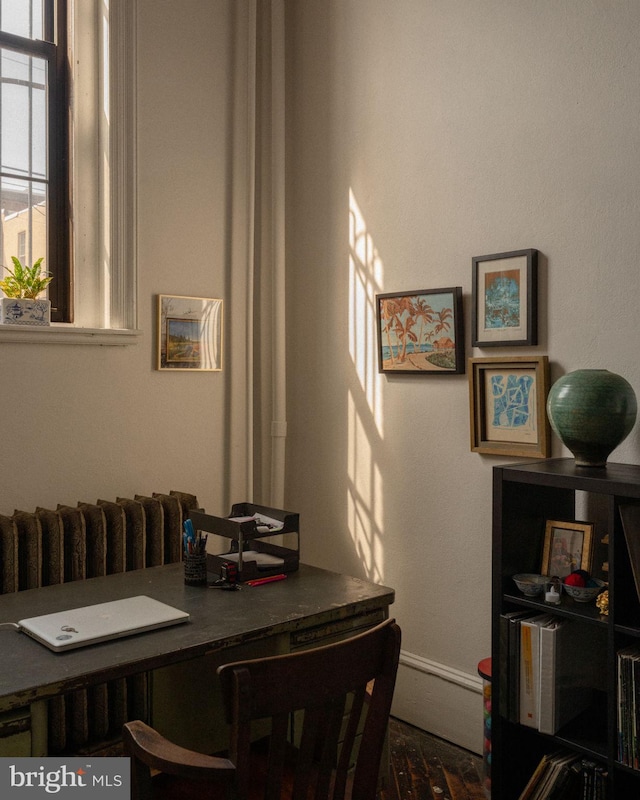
260 581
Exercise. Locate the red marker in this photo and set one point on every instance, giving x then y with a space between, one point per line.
260 581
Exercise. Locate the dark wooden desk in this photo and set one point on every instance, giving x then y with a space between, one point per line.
312 606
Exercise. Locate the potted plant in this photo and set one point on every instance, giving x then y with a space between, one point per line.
21 304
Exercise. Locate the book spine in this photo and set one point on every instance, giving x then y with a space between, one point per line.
527 696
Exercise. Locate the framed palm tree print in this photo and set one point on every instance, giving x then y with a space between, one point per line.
421 332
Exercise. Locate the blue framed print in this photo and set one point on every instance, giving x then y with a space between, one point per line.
505 299
507 400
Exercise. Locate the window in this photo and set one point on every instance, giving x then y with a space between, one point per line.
67 159
34 176
22 246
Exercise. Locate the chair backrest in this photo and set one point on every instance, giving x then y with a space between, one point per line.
333 701
326 711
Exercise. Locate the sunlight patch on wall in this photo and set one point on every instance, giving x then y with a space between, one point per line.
365 279
365 503
365 417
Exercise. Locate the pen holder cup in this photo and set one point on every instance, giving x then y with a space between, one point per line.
195 569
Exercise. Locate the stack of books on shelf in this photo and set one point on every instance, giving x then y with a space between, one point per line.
549 669
629 706
560 776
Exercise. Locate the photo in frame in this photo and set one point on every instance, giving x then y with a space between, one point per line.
189 333
421 332
507 400
567 547
504 307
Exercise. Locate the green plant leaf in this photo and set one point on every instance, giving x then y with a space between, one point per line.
25 281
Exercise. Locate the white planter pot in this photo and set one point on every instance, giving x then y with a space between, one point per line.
15 311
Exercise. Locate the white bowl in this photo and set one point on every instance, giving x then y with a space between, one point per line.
584 594
530 584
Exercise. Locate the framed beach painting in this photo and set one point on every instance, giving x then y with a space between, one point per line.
507 399
189 333
505 299
421 332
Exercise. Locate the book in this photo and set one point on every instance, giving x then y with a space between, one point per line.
555 776
628 698
571 664
630 516
510 663
535 780
530 668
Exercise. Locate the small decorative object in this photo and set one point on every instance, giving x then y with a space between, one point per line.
592 411
602 601
21 304
189 333
505 299
582 587
567 547
530 584
507 403
552 593
421 332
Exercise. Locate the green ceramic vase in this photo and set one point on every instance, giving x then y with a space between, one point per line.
592 411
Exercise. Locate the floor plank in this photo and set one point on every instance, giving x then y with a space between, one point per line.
424 767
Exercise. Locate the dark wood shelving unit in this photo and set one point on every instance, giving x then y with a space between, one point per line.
525 496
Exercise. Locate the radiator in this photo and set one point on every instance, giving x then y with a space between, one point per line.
69 543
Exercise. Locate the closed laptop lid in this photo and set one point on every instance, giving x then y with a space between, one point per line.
77 627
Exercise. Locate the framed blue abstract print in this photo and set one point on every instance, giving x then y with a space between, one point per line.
507 399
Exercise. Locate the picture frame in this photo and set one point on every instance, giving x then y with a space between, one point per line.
189 333
567 547
421 332
507 400
505 299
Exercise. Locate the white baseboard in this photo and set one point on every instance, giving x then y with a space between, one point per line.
441 700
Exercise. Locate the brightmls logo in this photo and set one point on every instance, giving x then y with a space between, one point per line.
79 778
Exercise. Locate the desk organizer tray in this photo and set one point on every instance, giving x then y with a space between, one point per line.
264 541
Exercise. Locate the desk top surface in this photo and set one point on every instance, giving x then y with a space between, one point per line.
219 619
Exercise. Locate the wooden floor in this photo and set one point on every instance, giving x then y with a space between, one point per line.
425 767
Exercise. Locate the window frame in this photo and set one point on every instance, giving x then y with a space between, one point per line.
52 48
103 220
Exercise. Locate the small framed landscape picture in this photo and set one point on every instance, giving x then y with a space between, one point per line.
189 333
505 299
507 400
421 332
567 547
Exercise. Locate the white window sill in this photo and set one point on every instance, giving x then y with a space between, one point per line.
67 334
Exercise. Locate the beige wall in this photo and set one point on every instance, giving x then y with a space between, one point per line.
82 422
423 133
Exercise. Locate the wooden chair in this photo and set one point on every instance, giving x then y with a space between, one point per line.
332 701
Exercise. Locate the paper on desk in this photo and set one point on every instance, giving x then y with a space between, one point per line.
268 523
263 560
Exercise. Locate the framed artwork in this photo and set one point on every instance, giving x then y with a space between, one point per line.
567 547
505 299
189 333
421 332
507 399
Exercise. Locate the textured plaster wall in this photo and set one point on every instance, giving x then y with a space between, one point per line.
422 133
82 422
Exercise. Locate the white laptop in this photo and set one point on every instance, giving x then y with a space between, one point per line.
77 627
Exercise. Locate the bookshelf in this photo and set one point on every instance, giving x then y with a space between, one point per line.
525 496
